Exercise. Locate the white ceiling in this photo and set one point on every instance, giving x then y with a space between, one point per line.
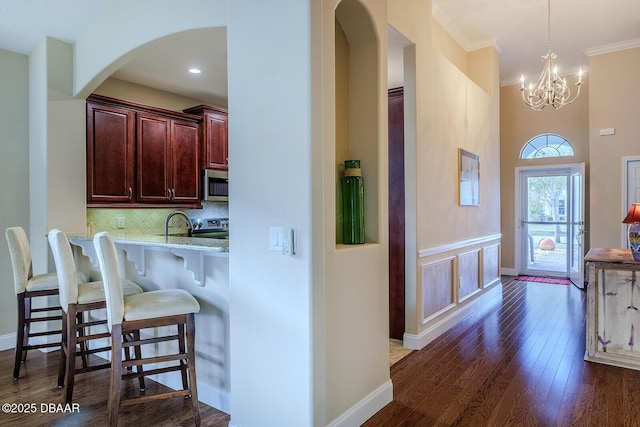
518 28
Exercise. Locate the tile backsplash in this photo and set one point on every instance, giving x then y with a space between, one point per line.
139 222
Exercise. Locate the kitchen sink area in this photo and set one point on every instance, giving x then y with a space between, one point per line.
212 221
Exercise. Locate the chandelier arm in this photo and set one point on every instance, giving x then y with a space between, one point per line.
550 88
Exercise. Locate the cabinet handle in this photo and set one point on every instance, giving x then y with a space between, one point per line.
172 193
130 193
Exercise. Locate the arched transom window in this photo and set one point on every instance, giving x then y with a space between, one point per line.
546 145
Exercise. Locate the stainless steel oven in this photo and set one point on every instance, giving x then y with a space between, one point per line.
215 186
215 228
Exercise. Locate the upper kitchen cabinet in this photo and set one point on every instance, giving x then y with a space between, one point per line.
167 163
110 153
141 156
214 136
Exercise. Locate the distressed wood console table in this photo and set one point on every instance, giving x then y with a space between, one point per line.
613 308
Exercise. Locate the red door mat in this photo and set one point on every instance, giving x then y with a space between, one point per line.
553 280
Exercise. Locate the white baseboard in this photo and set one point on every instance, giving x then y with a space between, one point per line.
7 341
366 408
509 272
416 342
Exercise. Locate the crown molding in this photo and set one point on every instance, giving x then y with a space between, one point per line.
458 35
612 47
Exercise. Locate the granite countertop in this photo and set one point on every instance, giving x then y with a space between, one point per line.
171 242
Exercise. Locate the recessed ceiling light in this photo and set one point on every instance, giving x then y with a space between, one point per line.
195 70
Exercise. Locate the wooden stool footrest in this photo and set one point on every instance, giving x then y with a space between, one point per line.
42 319
157 359
93 323
133 375
143 399
93 337
41 334
80 353
92 368
36 346
40 310
150 340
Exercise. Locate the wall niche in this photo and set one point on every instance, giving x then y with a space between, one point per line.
357 109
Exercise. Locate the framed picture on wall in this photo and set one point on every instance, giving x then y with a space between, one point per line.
469 178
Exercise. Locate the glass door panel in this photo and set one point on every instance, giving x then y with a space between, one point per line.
576 227
546 224
551 225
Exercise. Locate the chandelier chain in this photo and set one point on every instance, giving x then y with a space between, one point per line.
549 25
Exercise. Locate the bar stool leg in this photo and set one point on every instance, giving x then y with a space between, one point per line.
116 374
191 354
19 337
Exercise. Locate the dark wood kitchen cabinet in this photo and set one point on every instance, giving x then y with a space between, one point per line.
214 133
110 153
141 156
168 161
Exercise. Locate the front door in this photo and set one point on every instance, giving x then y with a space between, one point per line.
551 212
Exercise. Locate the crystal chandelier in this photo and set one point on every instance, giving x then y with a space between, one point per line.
550 89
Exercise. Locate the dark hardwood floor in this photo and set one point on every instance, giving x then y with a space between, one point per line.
519 363
38 385
516 362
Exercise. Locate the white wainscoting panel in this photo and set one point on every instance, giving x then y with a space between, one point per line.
455 279
490 264
437 287
469 274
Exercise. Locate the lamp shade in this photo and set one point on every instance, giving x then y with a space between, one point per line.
633 215
633 218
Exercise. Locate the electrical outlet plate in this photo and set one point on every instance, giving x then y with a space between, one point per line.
120 222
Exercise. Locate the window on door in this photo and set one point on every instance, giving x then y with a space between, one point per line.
546 145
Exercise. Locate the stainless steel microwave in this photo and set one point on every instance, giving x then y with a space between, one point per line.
215 186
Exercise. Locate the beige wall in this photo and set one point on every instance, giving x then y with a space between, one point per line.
614 102
14 164
456 106
355 276
447 46
518 124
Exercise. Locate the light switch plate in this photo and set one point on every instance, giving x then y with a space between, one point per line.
275 239
282 239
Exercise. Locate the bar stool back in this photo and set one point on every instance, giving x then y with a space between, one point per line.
170 307
76 300
28 287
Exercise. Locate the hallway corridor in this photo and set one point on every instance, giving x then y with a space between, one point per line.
518 363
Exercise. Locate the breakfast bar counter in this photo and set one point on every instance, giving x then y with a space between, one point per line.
191 249
613 308
201 267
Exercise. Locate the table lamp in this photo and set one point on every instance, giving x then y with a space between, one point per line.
633 218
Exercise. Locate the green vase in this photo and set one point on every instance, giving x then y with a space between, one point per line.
352 203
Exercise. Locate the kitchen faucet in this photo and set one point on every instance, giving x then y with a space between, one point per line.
183 215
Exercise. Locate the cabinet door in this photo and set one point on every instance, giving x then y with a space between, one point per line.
216 142
153 158
110 153
185 161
